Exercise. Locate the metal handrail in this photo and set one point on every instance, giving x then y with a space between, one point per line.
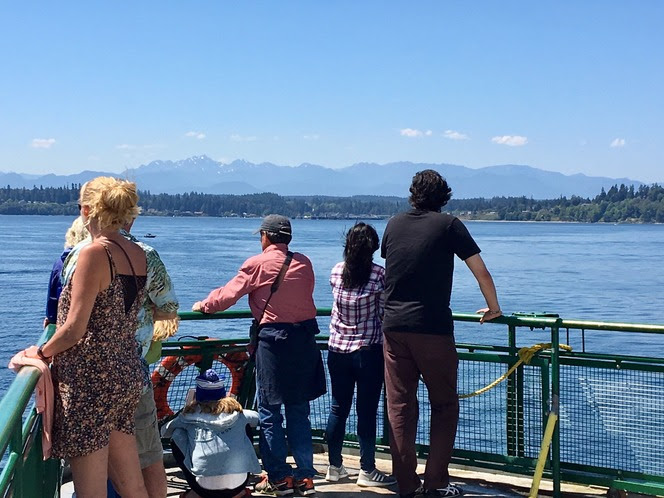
14 432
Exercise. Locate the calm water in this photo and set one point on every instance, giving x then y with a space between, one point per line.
603 272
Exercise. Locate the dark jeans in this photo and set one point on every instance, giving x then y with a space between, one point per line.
191 479
364 368
407 356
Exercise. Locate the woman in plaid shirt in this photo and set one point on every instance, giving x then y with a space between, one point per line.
355 353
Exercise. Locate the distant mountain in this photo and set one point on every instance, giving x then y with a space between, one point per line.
202 174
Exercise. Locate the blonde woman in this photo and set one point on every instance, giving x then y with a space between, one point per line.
210 443
96 367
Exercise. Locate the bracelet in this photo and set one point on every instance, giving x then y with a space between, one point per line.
42 356
493 311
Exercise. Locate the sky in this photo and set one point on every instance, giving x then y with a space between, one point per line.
568 86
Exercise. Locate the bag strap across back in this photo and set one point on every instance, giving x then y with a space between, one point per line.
277 281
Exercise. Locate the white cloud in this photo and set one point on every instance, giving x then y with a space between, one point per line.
311 137
413 133
42 143
617 142
239 138
137 147
511 140
195 134
455 135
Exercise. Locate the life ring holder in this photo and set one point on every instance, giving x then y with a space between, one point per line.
171 366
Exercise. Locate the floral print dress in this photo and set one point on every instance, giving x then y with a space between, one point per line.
98 380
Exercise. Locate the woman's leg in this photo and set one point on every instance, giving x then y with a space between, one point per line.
340 367
369 376
89 473
124 467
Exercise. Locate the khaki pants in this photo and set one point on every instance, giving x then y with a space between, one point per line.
148 439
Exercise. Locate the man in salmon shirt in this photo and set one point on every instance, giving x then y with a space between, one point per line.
289 367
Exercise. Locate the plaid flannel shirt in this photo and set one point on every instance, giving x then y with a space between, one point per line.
356 313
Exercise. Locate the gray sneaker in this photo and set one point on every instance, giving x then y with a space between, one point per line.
375 478
336 473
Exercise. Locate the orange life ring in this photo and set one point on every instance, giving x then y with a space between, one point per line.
171 366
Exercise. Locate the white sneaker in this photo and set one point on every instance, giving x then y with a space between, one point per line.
449 490
375 478
336 473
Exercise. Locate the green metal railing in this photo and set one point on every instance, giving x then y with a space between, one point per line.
24 471
610 430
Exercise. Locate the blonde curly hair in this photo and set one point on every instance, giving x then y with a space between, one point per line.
113 203
224 405
76 233
164 329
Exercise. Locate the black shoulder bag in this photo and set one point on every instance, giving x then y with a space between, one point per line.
255 324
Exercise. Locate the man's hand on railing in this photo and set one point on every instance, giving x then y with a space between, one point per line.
489 314
196 307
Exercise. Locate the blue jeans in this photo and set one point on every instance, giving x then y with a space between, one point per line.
364 368
273 440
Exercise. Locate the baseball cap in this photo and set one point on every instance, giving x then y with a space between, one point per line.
275 223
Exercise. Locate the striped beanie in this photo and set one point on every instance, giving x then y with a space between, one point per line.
209 387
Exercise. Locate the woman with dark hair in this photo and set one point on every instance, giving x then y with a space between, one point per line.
355 353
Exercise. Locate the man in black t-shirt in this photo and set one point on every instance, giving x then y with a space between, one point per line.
419 248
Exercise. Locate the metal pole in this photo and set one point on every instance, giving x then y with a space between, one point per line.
511 393
555 400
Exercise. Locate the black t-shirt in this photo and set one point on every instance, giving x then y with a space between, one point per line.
419 248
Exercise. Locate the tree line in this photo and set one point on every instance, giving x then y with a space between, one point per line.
617 205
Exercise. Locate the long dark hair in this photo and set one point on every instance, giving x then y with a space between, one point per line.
361 243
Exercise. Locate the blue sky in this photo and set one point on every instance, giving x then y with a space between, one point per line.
568 86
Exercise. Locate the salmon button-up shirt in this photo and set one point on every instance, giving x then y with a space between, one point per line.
292 303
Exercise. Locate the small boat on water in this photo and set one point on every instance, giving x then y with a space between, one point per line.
149 236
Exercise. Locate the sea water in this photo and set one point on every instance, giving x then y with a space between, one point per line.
582 271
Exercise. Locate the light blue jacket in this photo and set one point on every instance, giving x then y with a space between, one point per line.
215 445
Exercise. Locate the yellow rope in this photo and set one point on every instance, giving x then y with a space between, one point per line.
526 354
544 453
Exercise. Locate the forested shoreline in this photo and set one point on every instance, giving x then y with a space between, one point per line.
620 204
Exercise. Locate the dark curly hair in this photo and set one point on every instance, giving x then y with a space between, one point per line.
361 243
429 191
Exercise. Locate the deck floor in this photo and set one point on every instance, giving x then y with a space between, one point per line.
475 483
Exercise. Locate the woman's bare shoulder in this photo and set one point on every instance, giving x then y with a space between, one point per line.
93 250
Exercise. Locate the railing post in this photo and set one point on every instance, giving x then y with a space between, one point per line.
512 402
16 448
555 403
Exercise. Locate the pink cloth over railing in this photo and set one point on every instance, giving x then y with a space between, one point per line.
44 395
